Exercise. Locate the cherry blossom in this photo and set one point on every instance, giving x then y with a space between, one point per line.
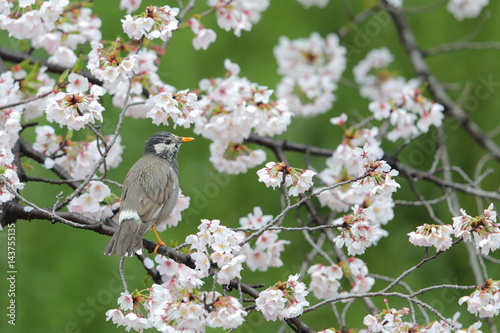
268 246
464 9
76 108
427 235
485 300
156 22
283 300
219 244
395 98
181 107
238 15
313 66
481 230
94 203
31 21
325 280
203 36
357 231
310 3
277 174
234 158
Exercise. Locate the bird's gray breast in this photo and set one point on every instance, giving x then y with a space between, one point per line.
151 188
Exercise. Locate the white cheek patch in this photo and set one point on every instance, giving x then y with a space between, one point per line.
128 215
161 147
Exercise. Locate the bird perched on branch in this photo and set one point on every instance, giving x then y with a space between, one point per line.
150 191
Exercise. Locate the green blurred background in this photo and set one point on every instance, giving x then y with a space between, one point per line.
65 284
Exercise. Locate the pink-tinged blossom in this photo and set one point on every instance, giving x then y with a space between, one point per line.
130 5
203 36
485 300
357 270
317 3
465 9
283 300
73 28
390 320
180 107
228 312
238 15
155 22
78 158
277 174
357 232
427 235
29 23
395 98
221 245
9 173
235 158
481 230
46 141
93 202
126 301
268 247
311 69
77 109
325 280
109 65
233 107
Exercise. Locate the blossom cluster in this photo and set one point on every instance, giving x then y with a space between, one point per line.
9 128
97 201
109 65
325 280
220 245
155 22
170 309
463 9
428 235
75 108
232 107
30 19
268 247
78 158
485 300
358 231
181 107
311 69
283 300
278 174
73 28
359 153
203 36
481 230
238 15
391 320
394 98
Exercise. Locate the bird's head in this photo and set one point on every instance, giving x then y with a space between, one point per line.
165 145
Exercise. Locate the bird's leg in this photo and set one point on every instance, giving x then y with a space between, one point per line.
160 242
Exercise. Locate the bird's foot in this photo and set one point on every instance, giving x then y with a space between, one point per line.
160 243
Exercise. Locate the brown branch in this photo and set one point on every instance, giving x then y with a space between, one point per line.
436 88
17 57
28 151
12 211
405 170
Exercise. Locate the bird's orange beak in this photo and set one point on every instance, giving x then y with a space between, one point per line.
185 139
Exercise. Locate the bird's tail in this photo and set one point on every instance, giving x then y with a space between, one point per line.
126 241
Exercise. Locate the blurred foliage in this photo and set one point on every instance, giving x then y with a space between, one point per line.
65 284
